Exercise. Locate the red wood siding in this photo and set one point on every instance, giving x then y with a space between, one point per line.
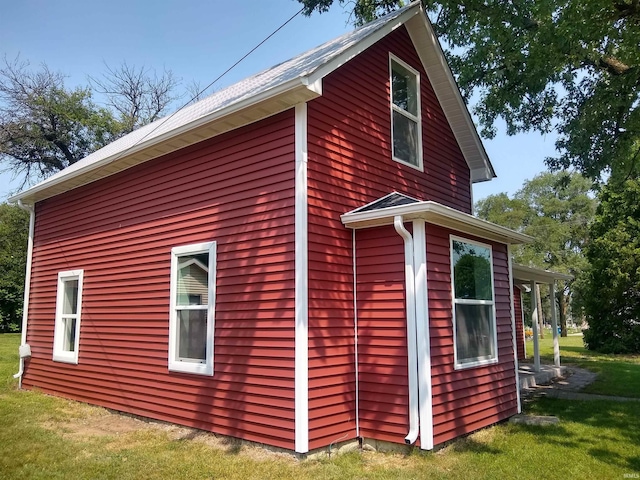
520 340
349 165
236 189
382 335
472 398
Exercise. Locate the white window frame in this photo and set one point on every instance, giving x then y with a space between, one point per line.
456 301
59 354
394 108
175 363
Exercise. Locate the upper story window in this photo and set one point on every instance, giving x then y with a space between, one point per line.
66 333
193 280
406 125
474 317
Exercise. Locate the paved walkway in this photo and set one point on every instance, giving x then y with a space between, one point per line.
566 386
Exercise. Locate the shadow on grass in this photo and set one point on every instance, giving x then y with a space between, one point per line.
614 425
469 445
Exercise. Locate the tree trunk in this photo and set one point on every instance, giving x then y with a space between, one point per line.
540 315
564 307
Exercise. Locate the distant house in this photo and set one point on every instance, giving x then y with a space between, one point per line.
291 261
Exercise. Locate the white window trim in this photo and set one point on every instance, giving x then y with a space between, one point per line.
482 361
176 365
418 119
59 355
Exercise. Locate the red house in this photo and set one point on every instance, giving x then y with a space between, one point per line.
291 261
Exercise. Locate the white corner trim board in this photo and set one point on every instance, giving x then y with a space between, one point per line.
27 290
422 334
301 284
513 328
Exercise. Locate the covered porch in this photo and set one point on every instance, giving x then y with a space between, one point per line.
532 276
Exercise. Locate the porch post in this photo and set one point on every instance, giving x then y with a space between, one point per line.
554 324
534 321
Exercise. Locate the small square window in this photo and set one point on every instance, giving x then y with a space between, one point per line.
474 317
192 308
406 122
66 334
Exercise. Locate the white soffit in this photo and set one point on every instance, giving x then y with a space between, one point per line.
522 273
437 214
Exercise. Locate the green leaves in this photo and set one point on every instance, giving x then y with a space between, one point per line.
565 66
612 288
14 228
45 127
555 209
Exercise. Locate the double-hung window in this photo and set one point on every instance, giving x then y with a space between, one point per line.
193 280
406 128
66 333
474 318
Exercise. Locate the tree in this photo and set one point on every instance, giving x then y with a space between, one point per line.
45 127
611 291
555 209
570 66
137 95
14 228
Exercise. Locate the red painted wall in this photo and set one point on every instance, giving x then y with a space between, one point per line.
520 340
236 189
349 165
472 398
463 400
382 334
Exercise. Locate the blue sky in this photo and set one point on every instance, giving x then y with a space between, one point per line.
198 40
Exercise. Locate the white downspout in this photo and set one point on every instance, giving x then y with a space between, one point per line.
412 354
25 350
355 332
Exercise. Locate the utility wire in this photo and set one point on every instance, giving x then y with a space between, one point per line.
169 117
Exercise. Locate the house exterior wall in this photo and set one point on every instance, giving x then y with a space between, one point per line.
519 315
471 398
382 334
463 400
350 164
236 189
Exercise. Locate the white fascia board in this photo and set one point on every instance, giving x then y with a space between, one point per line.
448 94
435 213
365 43
295 84
522 273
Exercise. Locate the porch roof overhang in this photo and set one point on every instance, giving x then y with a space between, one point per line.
522 274
433 213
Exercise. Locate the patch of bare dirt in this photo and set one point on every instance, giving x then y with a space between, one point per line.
85 422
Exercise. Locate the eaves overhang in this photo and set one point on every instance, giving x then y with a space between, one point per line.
236 115
522 274
272 91
437 214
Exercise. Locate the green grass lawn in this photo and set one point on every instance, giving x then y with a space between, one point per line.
617 374
43 437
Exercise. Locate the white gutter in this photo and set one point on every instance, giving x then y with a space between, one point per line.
412 354
25 350
436 213
149 138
